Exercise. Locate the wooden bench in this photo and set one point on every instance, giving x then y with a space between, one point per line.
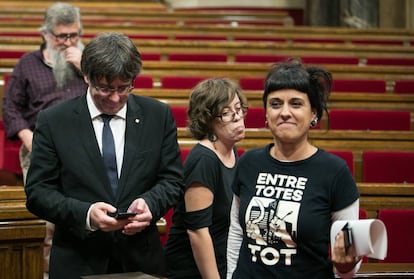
157 69
245 35
25 233
21 236
126 9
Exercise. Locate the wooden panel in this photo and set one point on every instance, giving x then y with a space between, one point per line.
21 236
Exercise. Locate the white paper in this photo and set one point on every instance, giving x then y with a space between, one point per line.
369 236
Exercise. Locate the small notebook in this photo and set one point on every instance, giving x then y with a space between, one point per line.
369 236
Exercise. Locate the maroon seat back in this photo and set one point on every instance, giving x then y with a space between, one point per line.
388 166
180 116
359 86
370 120
198 57
348 156
400 231
404 87
180 82
255 118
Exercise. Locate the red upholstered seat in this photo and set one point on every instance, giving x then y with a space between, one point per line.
330 60
9 153
251 83
180 82
184 153
240 151
260 23
377 42
255 118
388 166
400 231
151 21
363 214
9 150
11 53
404 87
143 82
20 33
398 61
258 58
180 116
359 85
148 36
370 120
6 78
204 57
150 56
195 37
348 156
319 40
206 22
260 39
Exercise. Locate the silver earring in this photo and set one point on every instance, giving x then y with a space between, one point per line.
314 122
212 137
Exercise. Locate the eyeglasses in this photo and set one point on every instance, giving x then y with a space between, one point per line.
61 38
121 90
229 116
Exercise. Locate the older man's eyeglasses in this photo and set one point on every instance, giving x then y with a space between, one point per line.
121 90
229 115
61 38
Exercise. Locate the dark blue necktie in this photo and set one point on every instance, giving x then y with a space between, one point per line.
108 152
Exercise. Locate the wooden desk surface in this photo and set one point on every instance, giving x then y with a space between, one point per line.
129 275
386 270
367 270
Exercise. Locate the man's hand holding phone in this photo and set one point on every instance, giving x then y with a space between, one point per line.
121 215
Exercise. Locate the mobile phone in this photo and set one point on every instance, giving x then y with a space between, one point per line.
121 215
347 236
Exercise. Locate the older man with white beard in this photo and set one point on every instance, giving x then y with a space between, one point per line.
43 78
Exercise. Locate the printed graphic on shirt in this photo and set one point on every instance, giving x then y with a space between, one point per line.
271 218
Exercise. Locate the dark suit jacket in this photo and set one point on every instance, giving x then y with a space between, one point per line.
67 175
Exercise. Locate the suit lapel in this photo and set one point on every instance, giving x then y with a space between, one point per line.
133 134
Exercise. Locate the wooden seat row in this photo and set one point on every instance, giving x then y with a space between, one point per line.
19 11
343 100
131 18
248 58
355 141
332 140
224 23
22 234
158 69
224 38
213 31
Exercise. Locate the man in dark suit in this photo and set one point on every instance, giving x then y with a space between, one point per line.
68 183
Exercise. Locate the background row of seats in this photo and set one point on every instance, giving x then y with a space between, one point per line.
339 119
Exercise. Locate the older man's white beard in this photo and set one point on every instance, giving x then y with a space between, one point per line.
62 70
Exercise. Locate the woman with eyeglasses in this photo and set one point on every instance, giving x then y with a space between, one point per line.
288 193
196 245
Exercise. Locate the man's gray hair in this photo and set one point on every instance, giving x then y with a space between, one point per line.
60 14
